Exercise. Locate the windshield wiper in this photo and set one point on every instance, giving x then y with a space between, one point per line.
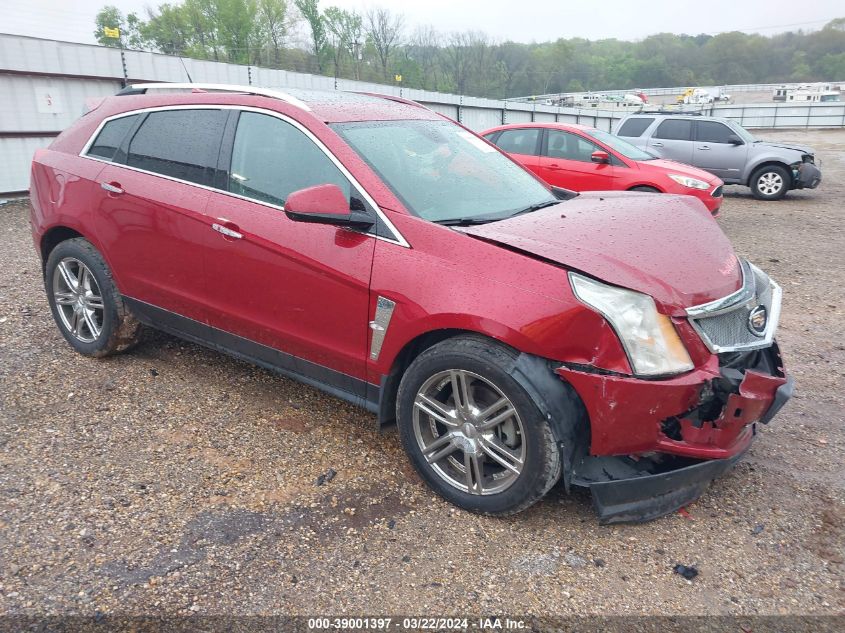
537 207
466 221
484 219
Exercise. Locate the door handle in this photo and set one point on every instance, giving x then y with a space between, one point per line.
657 144
227 232
554 166
703 147
112 187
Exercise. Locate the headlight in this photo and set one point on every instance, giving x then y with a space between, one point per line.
692 183
649 338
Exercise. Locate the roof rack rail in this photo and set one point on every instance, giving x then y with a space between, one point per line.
139 89
381 95
666 111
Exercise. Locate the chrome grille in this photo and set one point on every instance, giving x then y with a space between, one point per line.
724 325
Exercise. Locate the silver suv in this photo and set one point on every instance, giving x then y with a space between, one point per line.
725 149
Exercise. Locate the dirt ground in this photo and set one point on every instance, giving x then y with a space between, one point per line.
174 480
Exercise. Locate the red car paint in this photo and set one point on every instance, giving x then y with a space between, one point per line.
621 174
311 289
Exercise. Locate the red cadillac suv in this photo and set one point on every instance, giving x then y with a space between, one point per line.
365 245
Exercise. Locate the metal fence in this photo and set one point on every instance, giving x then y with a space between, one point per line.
731 89
44 85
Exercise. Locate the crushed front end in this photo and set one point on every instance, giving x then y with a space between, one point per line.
806 174
656 443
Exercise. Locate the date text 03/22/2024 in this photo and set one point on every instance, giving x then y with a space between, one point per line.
414 624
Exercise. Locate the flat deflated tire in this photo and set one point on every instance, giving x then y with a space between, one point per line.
471 430
85 302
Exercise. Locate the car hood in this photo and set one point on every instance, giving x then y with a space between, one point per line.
679 168
798 148
663 245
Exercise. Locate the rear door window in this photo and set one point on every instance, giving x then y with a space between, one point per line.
634 127
183 144
674 130
713 132
271 159
108 141
519 141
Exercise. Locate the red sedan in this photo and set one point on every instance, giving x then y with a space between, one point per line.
583 158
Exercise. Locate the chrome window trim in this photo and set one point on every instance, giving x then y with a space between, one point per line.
726 304
397 239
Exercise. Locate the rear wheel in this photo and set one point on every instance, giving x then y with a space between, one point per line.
85 302
472 431
770 182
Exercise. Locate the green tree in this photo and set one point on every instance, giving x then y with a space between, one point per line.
201 18
311 13
237 29
129 26
574 86
384 29
344 32
168 30
832 66
273 25
256 32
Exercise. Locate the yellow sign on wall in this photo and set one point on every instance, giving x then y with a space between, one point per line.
111 32
398 78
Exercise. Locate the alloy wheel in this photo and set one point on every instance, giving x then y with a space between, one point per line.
78 299
770 183
469 432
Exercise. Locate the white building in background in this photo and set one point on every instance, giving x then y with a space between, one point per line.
803 93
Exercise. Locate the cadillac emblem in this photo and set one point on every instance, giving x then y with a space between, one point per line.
758 319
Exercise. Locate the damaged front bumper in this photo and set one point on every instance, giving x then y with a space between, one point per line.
629 491
806 175
655 445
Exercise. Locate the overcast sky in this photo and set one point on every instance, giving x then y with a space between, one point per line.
73 20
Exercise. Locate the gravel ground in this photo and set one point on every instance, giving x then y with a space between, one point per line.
174 480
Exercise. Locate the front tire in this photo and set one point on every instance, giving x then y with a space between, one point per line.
85 302
770 182
472 432
644 188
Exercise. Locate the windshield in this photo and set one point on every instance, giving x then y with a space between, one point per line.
741 132
441 172
618 145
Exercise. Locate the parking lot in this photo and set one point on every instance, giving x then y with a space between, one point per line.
175 480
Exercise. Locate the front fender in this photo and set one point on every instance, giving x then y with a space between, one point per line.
769 158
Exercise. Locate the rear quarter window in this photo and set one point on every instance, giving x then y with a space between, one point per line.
674 130
634 127
109 139
182 144
519 141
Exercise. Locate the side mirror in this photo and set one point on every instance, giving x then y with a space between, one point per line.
733 139
600 157
325 204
